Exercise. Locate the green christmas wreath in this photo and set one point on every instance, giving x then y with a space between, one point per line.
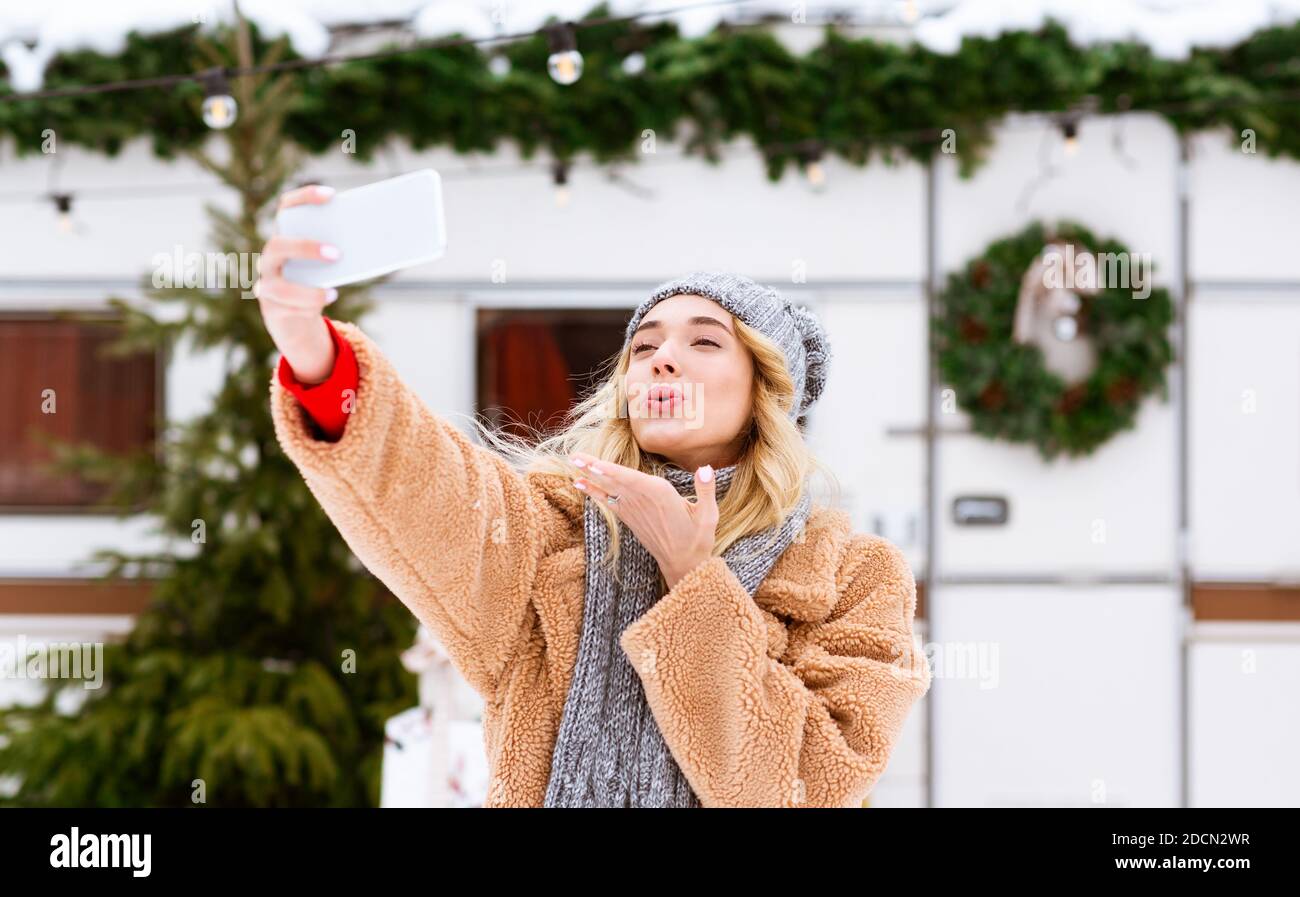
1005 384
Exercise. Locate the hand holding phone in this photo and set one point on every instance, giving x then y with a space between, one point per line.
381 227
378 228
292 311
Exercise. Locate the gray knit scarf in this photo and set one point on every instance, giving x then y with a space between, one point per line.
609 751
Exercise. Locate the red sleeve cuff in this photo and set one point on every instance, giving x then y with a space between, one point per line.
325 402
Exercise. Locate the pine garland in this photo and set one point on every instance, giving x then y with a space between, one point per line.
860 97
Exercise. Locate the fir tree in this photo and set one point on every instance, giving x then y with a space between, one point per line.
265 666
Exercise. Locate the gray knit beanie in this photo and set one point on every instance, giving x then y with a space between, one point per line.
795 329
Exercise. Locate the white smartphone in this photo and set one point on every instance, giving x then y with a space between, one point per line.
378 228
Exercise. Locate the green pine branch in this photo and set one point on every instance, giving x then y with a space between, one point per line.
237 682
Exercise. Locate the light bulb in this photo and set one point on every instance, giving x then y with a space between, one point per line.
63 205
565 66
219 108
499 65
810 153
220 111
565 62
634 63
560 175
1070 130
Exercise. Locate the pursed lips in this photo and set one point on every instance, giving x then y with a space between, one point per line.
664 400
662 391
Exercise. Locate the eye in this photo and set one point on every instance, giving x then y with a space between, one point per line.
703 339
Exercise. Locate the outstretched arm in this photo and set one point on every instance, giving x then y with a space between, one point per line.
448 525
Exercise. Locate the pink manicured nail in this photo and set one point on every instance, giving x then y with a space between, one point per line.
578 462
706 473
581 485
324 192
329 252
330 295
593 470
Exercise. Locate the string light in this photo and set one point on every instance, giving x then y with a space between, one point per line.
565 62
816 174
63 206
499 65
634 64
1070 131
810 156
560 174
291 65
867 140
224 108
1069 120
219 108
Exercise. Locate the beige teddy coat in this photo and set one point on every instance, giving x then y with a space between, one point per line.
792 698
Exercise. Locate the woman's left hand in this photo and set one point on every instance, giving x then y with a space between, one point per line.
678 533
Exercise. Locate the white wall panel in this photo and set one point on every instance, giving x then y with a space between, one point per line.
117 235
1113 512
1129 195
1243 208
1048 696
1244 435
877 384
866 224
1245 719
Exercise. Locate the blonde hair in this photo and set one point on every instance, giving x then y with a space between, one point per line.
774 463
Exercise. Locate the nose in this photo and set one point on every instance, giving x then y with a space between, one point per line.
662 362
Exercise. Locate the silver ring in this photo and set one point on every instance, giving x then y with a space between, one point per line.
611 499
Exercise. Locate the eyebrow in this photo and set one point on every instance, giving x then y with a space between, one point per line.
698 319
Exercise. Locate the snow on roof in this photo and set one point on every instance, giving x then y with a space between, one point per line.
32 34
1171 28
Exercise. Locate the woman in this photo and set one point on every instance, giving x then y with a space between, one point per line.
633 648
